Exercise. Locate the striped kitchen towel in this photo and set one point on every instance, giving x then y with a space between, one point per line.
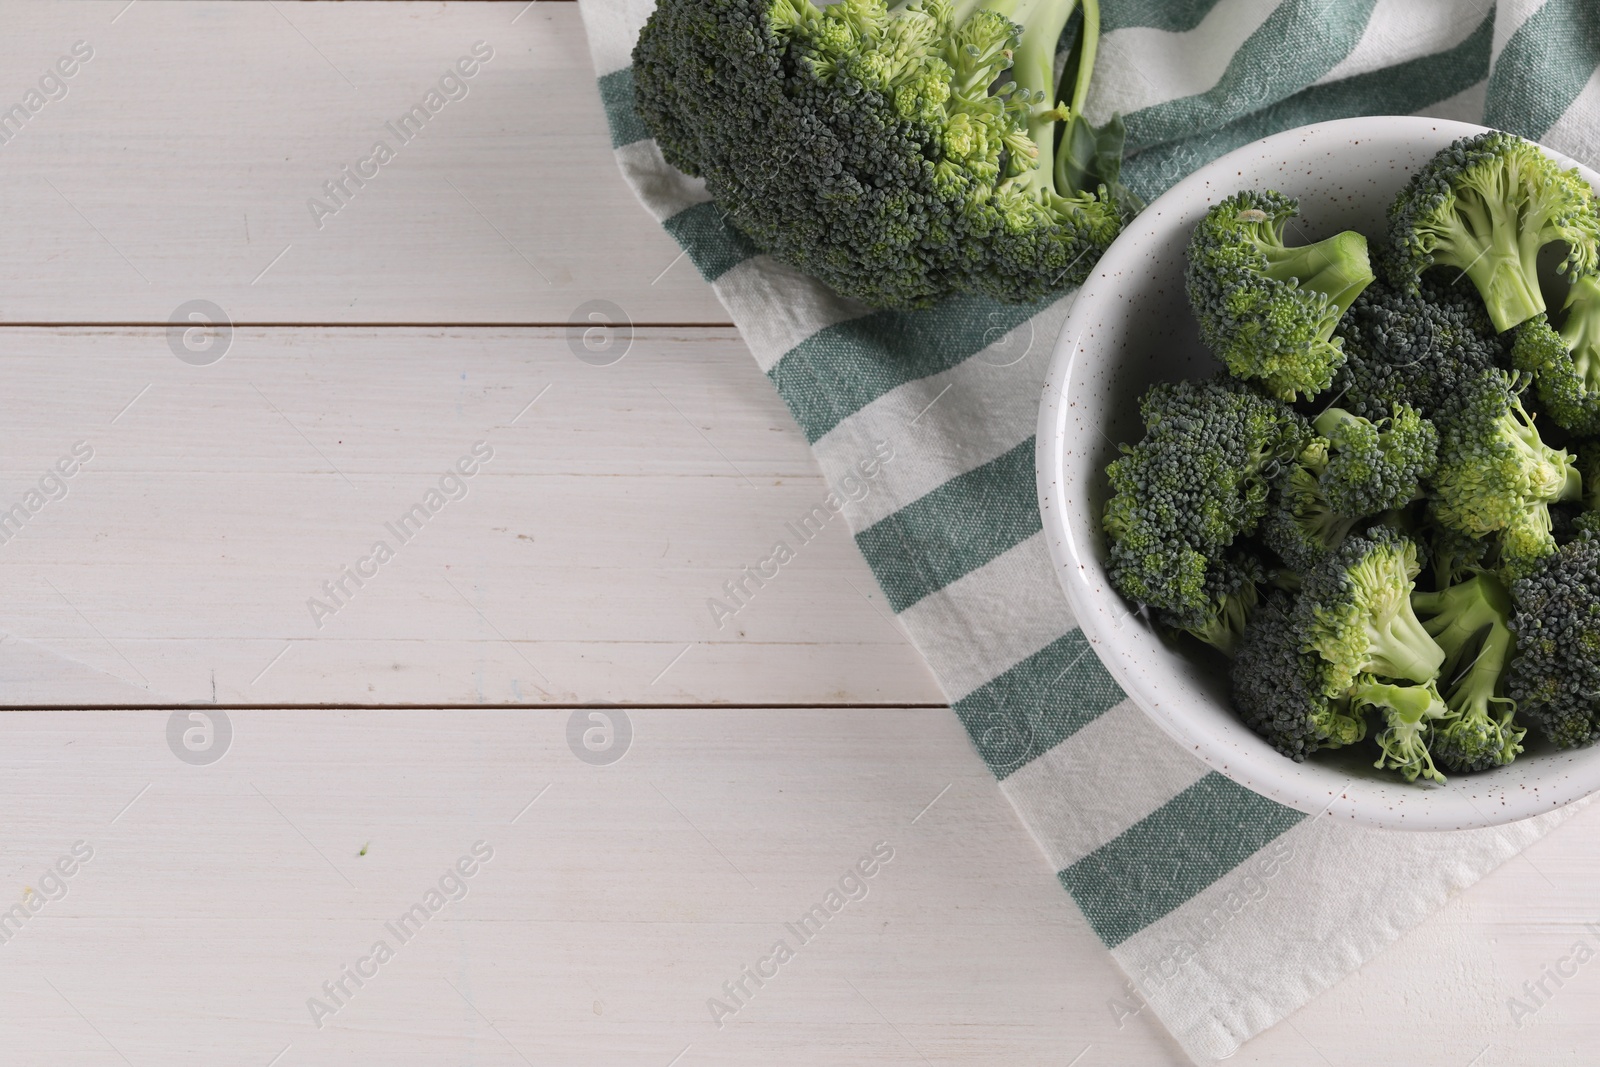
1227 911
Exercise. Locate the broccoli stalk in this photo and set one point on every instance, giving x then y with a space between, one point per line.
1473 617
1369 624
1486 206
1267 309
1565 363
1410 713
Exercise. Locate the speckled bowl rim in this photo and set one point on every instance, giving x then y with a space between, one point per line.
1149 671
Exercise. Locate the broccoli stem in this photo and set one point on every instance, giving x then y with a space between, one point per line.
1086 54
1409 712
1484 245
1560 479
1403 648
1033 70
1458 614
1581 330
1337 266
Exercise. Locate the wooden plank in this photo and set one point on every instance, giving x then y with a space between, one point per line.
181 161
186 554
219 898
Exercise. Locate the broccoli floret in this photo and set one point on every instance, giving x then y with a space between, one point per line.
1301 526
1355 469
1308 665
1412 347
1471 621
1376 466
1565 364
1267 309
1486 205
1455 557
1555 674
1411 714
1496 475
1232 593
1354 611
1197 481
899 154
1279 689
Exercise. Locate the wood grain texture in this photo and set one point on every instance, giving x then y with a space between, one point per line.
180 163
190 551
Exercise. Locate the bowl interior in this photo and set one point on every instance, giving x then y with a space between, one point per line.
1131 326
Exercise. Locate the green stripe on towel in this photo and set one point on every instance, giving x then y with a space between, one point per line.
1174 16
954 529
839 370
1544 66
1172 855
714 245
1038 704
616 96
1402 89
1300 42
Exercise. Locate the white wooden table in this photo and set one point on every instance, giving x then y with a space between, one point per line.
437 705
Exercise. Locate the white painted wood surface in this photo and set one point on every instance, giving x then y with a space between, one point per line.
223 896
180 162
577 567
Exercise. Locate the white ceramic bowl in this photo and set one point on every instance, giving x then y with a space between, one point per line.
1131 326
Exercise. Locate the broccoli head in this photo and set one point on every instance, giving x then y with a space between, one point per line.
1485 206
1354 611
1411 715
1565 364
1309 665
1471 621
1268 309
1555 674
1197 481
1300 525
1496 475
1412 346
1233 589
899 154
1279 689
1376 466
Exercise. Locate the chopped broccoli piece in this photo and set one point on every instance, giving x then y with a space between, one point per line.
1267 309
1307 665
1301 526
1412 347
1565 364
1471 621
1279 690
1555 675
1376 466
1486 205
1411 713
1496 475
899 154
1232 592
1196 482
1354 611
